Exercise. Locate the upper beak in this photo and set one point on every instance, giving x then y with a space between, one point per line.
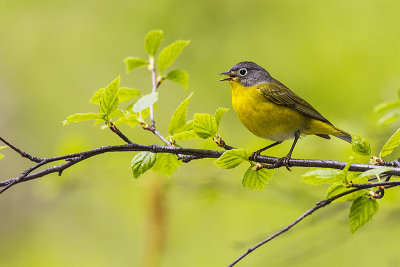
226 73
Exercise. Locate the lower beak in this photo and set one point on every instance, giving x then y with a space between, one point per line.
226 79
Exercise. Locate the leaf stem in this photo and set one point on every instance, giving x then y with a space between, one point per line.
156 84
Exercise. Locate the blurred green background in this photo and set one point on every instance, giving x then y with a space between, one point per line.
342 56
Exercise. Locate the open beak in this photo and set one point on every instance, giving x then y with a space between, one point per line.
228 74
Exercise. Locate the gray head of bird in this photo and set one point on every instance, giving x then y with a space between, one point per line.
247 73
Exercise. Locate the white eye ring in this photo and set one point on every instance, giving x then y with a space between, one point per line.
243 72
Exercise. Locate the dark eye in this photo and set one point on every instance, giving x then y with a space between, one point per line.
243 72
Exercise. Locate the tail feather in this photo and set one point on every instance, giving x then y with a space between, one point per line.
324 130
346 137
324 136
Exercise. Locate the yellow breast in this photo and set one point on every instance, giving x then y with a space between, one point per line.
262 117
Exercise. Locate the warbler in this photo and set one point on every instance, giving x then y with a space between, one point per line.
270 110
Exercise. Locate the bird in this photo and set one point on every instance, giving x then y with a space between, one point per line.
270 110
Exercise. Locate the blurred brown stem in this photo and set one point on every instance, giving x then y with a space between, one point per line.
156 224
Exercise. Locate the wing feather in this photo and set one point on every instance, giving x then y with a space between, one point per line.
281 95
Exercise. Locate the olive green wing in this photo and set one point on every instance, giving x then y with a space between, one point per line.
281 95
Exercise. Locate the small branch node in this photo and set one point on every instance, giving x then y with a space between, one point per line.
259 166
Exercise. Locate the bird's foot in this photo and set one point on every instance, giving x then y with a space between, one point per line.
283 162
254 155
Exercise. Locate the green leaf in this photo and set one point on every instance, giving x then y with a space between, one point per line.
360 145
323 176
1 155
134 62
83 117
178 119
116 113
166 164
232 158
219 113
356 178
337 189
96 96
257 179
144 114
375 172
109 99
179 76
347 167
183 136
130 119
345 170
152 41
142 162
168 55
392 143
204 125
384 107
389 117
361 211
145 102
187 127
125 94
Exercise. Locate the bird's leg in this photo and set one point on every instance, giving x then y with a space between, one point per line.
255 154
285 159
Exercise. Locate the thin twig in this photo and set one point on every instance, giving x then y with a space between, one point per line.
8 186
323 203
319 205
119 133
369 185
221 143
158 134
26 177
156 84
22 153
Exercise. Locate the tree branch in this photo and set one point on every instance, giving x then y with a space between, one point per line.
197 153
321 204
